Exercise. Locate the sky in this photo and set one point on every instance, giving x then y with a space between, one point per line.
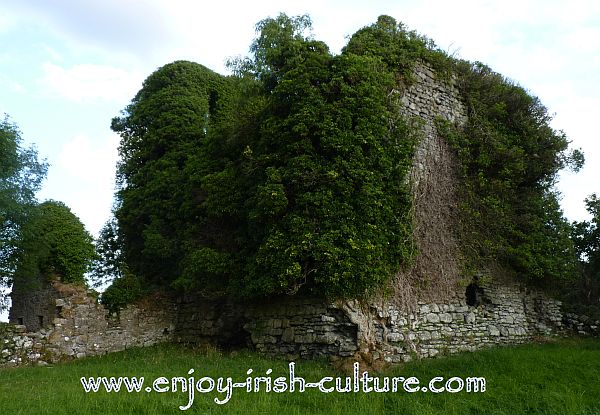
67 67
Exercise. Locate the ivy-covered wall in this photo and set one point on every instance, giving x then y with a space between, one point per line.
391 329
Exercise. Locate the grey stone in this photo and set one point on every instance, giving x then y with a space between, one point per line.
494 331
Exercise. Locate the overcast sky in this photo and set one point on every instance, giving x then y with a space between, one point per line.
67 67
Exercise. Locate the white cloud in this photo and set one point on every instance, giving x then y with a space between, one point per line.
548 46
91 162
85 82
112 25
83 175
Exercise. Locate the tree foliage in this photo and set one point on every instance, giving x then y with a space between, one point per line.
108 264
510 158
54 243
21 174
586 235
291 175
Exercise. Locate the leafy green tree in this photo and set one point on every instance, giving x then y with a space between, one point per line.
54 243
21 175
109 263
586 235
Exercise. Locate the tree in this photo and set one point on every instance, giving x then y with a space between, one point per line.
586 235
54 243
21 175
109 264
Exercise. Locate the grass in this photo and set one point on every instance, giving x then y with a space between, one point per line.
554 378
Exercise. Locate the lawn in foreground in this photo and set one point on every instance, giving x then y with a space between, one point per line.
554 378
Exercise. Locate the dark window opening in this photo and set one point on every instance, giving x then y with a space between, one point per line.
41 320
474 294
20 321
58 310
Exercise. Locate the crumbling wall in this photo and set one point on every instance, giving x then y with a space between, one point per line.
306 327
83 327
33 304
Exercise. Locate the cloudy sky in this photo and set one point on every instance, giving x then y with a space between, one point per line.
68 66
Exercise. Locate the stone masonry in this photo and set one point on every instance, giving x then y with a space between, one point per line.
59 321
83 327
510 315
295 327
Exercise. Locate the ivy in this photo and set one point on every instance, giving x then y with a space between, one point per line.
294 179
291 175
510 158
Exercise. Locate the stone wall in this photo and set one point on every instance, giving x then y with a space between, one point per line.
582 325
83 327
17 347
204 320
301 328
310 328
433 179
33 305
295 327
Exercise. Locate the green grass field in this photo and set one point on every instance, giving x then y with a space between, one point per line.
553 378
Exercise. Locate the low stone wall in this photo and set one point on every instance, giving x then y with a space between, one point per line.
17 347
309 328
294 327
83 327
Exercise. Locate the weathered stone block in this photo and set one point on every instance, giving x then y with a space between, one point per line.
493 330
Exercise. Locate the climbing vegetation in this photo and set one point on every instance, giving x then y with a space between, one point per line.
291 175
509 161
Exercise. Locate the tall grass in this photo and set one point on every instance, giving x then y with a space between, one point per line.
553 378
